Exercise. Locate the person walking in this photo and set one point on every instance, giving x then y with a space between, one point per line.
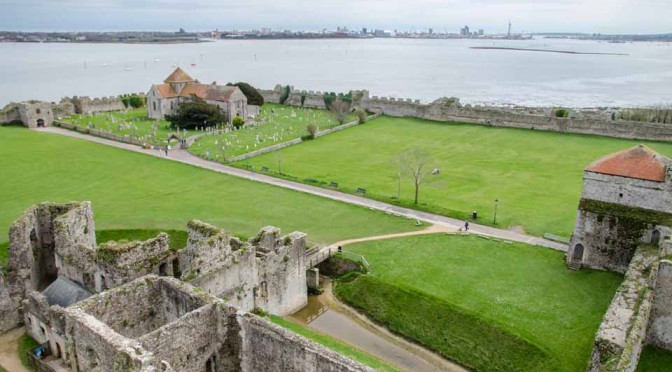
466 225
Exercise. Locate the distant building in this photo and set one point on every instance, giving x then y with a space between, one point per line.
464 31
164 99
481 32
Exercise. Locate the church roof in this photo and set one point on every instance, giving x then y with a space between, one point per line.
639 162
178 76
64 292
210 92
166 90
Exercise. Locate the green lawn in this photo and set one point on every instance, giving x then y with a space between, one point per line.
26 344
485 304
333 344
133 123
135 191
536 176
278 124
654 359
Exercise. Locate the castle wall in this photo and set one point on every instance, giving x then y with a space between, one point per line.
86 105
32 112
282 276
621 336
267 347
75 244
660 326
9 308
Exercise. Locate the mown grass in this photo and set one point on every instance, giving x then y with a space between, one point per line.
133 123
655 359
453 293
26 344
277 124
535 175
333 344
135 191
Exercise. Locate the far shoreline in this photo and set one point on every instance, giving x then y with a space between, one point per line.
546 51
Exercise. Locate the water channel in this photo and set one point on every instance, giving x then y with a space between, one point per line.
325 314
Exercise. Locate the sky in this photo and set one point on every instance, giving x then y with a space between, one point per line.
588 16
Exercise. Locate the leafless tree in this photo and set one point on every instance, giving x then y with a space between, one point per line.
414 163
340 109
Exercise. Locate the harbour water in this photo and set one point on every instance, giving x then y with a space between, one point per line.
637 74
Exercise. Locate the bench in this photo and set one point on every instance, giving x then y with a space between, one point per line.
333 184
264 169
361 191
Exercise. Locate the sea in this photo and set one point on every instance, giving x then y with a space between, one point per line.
629 74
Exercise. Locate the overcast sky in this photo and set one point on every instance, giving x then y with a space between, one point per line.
605 16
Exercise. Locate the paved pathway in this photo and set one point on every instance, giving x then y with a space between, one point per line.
9 354
184 156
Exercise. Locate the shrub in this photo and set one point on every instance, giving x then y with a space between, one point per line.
251 93
284 95
312 131
361 115
340 109
238 122
561 113
196 113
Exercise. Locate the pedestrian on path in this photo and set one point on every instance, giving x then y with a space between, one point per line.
166 150
466 225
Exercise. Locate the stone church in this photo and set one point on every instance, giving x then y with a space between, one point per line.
164 99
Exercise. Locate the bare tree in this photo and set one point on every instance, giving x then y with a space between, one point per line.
340 109
414 163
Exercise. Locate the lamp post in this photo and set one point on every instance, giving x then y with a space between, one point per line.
494 219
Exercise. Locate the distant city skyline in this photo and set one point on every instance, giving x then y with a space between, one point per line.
584 16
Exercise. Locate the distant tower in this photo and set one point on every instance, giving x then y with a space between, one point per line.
508 34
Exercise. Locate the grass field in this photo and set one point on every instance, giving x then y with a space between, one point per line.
333 344
135 191
278 124
536 176
133 123
485 304
654 359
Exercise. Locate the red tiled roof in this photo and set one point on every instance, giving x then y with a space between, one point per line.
178 76
166 90
211 92
638 162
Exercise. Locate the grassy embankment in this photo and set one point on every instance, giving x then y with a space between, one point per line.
536 176
485 304
277 125
135 191
333 344
654 359
133 123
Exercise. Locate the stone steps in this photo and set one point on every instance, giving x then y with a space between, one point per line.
574 266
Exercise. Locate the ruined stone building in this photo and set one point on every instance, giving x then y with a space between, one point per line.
75 296
164 99
623 224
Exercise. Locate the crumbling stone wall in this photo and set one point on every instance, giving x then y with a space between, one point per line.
86 105
281 271
621 336
660 324
9 308
267 347
121 262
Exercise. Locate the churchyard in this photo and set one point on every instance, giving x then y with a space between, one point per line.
535 176
133 123
275 124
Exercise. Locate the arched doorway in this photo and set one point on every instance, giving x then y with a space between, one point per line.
40 123
577 255
655 237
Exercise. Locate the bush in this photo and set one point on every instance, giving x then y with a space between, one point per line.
284 95
238 122
312 131
196 113
133 100
561 113
361 115
251 93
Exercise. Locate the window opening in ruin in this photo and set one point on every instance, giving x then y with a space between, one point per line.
578 253
58 350
655 237
33 236
176 268
162 269
620 195
37 111
43 331
102 283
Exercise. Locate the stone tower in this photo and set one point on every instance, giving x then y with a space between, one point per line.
626 200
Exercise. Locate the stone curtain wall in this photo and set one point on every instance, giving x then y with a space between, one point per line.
267 347
620 338
660 325
86 105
